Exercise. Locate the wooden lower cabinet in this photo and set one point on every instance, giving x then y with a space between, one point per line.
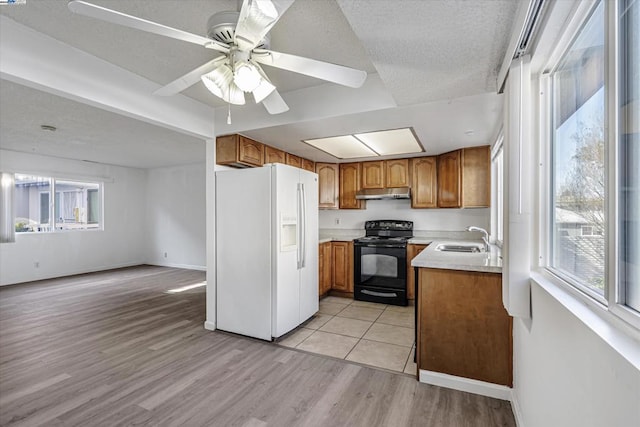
342 266
412 252
463 328
324 267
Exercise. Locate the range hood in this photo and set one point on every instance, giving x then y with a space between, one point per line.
384 193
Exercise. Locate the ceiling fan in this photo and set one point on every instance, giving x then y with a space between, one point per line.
242 39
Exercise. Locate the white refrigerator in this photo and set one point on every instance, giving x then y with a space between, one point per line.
266 249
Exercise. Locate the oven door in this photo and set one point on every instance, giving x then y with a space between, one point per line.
380 274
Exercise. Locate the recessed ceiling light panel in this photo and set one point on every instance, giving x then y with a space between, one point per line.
342 147
388 142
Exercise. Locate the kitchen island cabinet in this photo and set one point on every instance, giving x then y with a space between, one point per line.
463 328
412 251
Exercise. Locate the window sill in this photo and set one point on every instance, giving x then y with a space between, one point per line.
619 335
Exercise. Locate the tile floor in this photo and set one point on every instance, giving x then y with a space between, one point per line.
372 334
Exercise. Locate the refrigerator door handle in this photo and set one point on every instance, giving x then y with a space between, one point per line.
299 224
303 226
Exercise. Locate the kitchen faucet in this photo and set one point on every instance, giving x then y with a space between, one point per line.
485 237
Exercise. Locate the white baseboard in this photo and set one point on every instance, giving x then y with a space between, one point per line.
209 326
174 265
70 272
517 410
465 384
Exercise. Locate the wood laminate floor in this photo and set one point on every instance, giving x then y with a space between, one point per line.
114 348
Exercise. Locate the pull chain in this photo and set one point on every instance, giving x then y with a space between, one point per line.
229 115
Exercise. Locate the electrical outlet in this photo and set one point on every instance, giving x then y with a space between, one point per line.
337 221
165 254
36 264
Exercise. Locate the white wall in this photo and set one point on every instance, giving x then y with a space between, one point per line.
176 216
423 219
121 243
565 375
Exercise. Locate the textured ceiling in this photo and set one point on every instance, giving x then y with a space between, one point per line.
436 49
87 133
426 52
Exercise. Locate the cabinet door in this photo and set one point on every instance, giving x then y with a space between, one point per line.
463 328
373 174
342 263
412 252
294 160
273 155
324 284
424 183
250 152
327 185
308 165
476 177
349 184
396 173
449 180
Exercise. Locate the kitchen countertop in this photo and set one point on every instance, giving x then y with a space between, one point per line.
488 262
339 235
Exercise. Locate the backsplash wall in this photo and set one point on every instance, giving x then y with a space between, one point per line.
423 219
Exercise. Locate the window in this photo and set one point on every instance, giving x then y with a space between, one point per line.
497 177
32 206
75 205
628 130
594 194
578 159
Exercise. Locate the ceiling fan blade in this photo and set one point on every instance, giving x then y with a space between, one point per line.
256 18
114 17
274 103
189 79
321 70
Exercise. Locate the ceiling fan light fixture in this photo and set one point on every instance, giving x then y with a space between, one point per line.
263 90
246 76
218 80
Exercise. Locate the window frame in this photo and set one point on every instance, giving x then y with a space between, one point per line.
497 205
611 302
53 178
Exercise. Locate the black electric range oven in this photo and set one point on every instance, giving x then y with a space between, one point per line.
380 262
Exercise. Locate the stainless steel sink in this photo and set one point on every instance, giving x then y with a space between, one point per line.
461 247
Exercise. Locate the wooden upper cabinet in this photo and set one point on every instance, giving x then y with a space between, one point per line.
373 174
273 155
396 173
293 160
476 177
350 174
240 151
424 182
308 165
328 188
450 180
464 178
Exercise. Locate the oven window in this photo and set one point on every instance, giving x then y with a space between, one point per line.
379 265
